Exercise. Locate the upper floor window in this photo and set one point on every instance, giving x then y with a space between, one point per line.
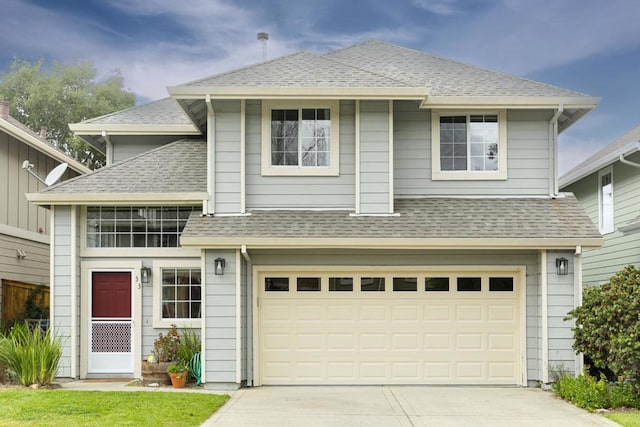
605 198
469 146
136 226
300 138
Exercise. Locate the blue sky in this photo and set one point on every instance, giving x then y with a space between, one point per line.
591 46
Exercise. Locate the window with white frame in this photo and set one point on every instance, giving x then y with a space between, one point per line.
177 293
300 138
469 145
605 198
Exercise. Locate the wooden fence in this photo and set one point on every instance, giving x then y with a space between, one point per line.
15 296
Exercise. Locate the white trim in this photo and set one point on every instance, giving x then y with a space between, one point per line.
610 158
243 156
601 226
74 292
437 174
52 257
203 316
24 234
538 102
116 199
357 156
334 163
128 265
156 277
544 313
132 129
238 317
391 158
577 290
298 92
211 156
518 271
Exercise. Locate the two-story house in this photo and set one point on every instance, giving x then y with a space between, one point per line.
375 215
607 184
24 228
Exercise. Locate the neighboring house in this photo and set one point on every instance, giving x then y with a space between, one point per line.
375 215
607 185
24 228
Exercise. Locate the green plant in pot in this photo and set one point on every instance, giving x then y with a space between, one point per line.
178 372
165 351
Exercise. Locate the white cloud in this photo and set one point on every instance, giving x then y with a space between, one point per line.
439 7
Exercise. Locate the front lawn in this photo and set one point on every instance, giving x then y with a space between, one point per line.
105 408
626 418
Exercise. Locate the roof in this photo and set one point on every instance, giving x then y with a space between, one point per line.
23 133
627 144
379 70
176 171
451 222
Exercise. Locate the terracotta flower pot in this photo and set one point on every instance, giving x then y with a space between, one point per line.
179 379
155 373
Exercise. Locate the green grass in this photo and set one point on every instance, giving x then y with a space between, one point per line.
626 418
21 407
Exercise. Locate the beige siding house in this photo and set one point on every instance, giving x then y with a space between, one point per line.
24 227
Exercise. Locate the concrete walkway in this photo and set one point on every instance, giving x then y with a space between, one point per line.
375 406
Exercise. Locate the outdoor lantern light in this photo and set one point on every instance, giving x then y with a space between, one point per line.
145 274
562 265
219 266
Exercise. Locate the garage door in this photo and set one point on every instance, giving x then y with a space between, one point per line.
380 327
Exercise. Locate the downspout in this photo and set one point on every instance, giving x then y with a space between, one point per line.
211 157
553 151
108 147
249 316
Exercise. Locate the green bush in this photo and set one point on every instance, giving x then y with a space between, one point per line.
31 355
607 325
588 393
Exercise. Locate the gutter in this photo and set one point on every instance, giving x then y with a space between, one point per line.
607 159
628 162
553 151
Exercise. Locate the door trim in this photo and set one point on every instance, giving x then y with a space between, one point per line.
89 267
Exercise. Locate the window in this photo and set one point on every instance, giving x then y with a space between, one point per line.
469 146
436 284
300 138
308 284
405 284
136 226
469 284
500 284
372 284
276 284
340 284
181 293
605 198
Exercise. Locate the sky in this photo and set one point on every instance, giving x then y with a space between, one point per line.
590 46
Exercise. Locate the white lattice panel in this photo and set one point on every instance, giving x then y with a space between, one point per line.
111 337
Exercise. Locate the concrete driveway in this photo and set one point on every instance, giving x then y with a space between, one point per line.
388 406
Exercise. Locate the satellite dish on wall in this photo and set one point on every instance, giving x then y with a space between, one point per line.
53 176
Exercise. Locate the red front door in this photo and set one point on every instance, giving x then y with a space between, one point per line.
111 323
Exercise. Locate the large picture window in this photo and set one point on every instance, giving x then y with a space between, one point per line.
136 226
181 293
300 138
469 146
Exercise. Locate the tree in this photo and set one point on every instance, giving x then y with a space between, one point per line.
54 97
607 324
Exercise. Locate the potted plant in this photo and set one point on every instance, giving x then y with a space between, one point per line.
165 351
178 372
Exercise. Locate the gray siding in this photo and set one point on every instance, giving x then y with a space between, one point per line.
527 156
618 250
227 157
220 321
374 157
32 269
127 146
560 300
300 191
530 259
61 286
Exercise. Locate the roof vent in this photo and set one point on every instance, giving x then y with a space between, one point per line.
263 37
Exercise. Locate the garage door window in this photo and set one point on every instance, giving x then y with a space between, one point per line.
501 284
308 284
372 284
469 284
436 284
340 284
405 284
276 284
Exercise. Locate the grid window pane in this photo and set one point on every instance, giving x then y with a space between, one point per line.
300 137
372 284
181 293
405 284
276 284
308 284
469 284
340 284
436 284
501 284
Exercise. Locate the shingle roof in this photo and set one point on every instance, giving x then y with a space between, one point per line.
443 77
428 218
162 111
630 141
172 168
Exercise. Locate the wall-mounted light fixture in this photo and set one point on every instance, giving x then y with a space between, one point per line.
219 264
562 266
145 275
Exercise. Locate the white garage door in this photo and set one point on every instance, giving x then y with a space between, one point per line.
380 327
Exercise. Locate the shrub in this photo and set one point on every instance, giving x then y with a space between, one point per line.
165 347
584 391
31 355
607 325
188 346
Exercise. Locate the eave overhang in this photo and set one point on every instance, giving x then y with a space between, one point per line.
50 199
606 160
132 129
